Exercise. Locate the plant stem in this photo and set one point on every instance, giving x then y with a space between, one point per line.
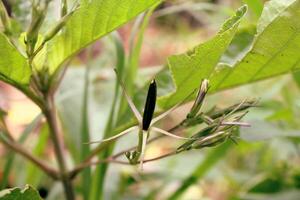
20 150
50 114
11 155
85 130
64 8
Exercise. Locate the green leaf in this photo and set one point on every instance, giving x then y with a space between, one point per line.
296 76
13 66
190 68
255 5
89 23
271 10
240 45
268 185
85 128
274 52
28 193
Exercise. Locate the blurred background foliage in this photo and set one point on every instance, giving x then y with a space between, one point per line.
264 164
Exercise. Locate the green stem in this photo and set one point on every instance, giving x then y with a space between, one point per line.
98 184
101 170
64 8
139 148
85 132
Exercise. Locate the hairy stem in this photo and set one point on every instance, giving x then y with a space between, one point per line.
50 114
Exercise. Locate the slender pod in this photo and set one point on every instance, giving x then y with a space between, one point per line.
149 105
203 89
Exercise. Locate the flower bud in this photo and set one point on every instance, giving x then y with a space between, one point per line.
199 99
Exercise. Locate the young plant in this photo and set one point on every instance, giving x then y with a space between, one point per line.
217 132
145 123
35 61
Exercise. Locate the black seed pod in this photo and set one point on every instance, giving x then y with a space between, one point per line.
150 105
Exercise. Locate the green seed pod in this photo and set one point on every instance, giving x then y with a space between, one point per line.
209 143
203 133
150 105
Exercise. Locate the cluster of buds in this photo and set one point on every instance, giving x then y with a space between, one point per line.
38 15
221 123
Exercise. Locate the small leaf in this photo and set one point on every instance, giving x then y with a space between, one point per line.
13 66
28 193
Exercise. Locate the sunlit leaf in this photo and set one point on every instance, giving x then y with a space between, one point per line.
13 66
190 68
90 22
274 52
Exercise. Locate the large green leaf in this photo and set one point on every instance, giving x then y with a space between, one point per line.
189 68
13 66
275 51
28 193
90 22
271 10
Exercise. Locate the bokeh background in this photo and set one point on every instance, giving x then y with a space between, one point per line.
265 164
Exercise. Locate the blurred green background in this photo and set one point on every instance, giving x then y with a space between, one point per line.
264 165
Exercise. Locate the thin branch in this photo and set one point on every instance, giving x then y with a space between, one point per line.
160 157
149 141
64 8
111 159
73 173
38 162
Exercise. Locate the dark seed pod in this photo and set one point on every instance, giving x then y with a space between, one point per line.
150 105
